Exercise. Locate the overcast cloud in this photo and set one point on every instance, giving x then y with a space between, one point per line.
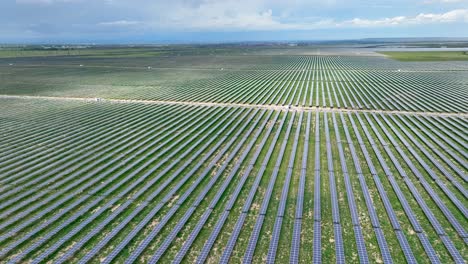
208 20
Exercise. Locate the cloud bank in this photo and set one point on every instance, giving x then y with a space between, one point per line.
198 20
113 18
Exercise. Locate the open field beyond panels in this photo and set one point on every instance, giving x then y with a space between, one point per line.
240 159
428 55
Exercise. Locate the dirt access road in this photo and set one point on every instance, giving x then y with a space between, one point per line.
261 106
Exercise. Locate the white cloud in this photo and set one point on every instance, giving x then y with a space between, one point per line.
232 15
44 1
215 17
120 23
458 15
446 1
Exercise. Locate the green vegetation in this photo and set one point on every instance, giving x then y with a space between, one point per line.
85 52
427 55
108 180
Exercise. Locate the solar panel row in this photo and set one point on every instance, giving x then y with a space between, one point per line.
134 184
359 238
142 191
338 237
403 201
248 256
440 142
248 203
57 141
284 196
382 242
50 208
317 248
296 239
433 160
455 223
55 178
135 254
383 195
169 196
37 210
228 207
429 214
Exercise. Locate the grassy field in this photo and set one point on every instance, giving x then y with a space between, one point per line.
152 51
427 55
138 181
87 52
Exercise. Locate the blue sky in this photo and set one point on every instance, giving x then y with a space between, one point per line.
140 21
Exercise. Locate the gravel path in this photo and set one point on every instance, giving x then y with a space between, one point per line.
272 107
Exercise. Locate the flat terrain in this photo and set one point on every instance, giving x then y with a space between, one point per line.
427 55
247 155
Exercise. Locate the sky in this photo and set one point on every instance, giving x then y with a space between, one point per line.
199 21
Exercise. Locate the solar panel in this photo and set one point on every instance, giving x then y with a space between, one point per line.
249 252
434 222
233 239
45 224
370 207
125 205
339 247
405 247
260 218
431 254
441 145
282 205
203 194
47 175
89 184
296 241
454 133
317 244
233 198
306 84
362 251
383 246
450 135
229 247
431 158
433 195
271 255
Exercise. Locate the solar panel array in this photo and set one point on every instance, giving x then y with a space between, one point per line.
266 200
132 182
296 239
326 81
338 237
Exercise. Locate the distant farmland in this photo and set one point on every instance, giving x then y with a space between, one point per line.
218 156
428 55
